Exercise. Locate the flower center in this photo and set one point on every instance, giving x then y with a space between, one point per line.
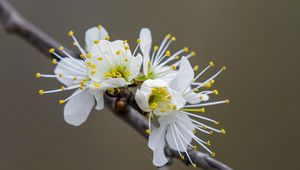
118 72
160 98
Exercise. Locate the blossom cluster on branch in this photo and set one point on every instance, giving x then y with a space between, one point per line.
164 86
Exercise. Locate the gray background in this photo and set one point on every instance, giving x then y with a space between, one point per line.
257 41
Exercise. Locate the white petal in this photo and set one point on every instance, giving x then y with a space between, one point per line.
94 33
189 126
157 144
61 68
194 98
184 76
78 108
135 66
146 41
178 99
98 94
113 82
146 60
142 99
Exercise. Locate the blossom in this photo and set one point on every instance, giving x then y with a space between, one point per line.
103 65
173 103
160 63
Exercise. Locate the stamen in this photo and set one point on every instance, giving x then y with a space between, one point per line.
208 104
181 156
202 110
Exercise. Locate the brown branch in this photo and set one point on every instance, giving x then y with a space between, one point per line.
14 23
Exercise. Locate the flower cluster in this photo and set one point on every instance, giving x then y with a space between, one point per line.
168 88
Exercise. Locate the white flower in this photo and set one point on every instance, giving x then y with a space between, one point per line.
104 65
160 63
177 124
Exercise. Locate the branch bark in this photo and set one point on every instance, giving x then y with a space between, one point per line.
16 24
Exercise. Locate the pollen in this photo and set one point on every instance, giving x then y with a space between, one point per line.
168 53
97 85
54 61
223 68
93 72
81 56
194 165
213 154
177 57
62 88
211 132
186 49
126 47
118 52
227 101
61 48
125 42
107 38
168 36
216 92
75 44
207 85
196 68
194 147
208 143
155 48
41 92
173 67
182 157
51 50
223 131
99 26
138 40
89 55
217 123
96 41
193 53
148 131
100 58
70 33
60 75
211 64
173 38
153 105
38 75
61 101
126 59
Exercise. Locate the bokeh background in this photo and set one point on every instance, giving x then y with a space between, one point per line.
257 40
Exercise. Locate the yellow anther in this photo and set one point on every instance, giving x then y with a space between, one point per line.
170 106
196 68
173 67
163 110
38 75
193 53
60 75
62 87
194 165
153 106
118 52
211 132
208 143
74 78
99 26
61 101
207 85
54 61
97 85
211 64
193 110
194 147
223 68
196 90
126 47
201 97
223 131
174 107
148 131
177 57
227 101
125 42
217 123
173 38
107 38
186 49
212 81
138 40
93 72
213 154
61 48
216 92
74 43
100 58
81 56
182 157
41 92
96 41
70 33
168 35
168 53
155 48
51 50
194 131
89 55
126 59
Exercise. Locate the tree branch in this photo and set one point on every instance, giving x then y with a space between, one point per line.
14 23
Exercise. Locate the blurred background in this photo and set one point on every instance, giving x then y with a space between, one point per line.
257 40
